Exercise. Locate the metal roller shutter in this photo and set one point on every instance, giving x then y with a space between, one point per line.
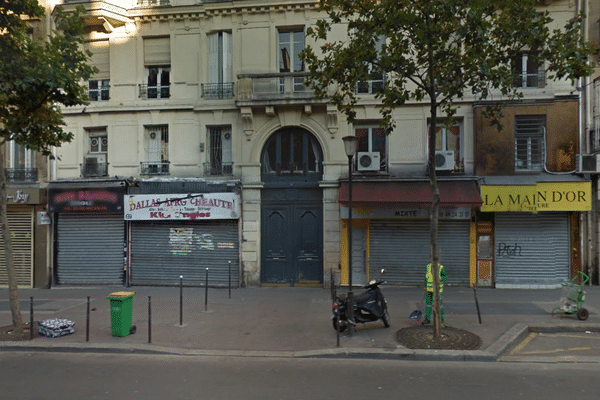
531 249
89 250
20 221
403 249
162 252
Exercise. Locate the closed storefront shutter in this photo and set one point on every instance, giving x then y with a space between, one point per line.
531 249
162 252
403 249
20 222
89 249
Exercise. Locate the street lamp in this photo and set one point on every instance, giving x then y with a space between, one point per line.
350 143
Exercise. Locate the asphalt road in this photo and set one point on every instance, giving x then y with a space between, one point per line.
67 376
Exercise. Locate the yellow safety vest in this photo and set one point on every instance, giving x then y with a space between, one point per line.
429 278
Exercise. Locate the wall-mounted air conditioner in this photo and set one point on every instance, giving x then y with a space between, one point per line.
369 161
444 160
95 159
588 163
94 165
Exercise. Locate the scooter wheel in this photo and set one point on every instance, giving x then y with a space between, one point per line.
583 314
335 325
386 318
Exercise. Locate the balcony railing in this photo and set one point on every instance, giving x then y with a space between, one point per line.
273 86
214 91
154 92
21 174
536 80
224 168
152 3
94 170
154 167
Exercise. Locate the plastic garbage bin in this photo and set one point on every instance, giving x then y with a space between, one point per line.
121 313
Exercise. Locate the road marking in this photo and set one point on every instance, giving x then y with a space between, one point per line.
586 336
524 343
555 350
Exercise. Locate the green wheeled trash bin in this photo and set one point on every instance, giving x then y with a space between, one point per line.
121 313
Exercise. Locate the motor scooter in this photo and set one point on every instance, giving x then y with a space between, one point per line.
368 306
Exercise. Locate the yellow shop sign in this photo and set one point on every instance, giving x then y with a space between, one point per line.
544 196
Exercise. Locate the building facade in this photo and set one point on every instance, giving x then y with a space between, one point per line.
202 147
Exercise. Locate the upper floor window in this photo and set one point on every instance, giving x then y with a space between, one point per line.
99 86
529 71
95 161
376 82
448 148
291 43
530 142
293 152
20 163
157 151
220 71
157 59
219 158
372 148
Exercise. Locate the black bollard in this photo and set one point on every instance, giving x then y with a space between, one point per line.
477 304
206 292
31 318
87 321
181 300
230 280
149 319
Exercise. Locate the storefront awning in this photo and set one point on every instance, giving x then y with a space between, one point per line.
411 194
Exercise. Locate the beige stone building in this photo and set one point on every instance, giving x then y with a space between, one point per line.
201 148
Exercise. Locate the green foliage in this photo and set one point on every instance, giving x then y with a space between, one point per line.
37 77
438 51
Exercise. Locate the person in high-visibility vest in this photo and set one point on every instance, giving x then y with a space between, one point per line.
429 291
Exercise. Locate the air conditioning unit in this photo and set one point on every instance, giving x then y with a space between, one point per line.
94 165
95 159
588 163
444 160
369 161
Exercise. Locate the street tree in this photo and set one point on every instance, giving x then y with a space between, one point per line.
37 77
441 53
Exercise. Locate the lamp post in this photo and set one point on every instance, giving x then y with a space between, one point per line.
350 148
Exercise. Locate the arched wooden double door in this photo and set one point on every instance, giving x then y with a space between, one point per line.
292 209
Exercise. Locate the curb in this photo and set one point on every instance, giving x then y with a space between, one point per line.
495 352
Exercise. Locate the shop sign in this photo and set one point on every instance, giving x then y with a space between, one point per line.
182 207
406 213
544 196
22 196
96 200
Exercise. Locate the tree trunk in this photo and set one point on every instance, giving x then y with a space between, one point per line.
434 223
13 291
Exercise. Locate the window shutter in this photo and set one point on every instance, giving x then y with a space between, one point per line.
100 58
227 58
213 58
157 51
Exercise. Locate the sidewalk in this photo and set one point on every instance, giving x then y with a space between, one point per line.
287 322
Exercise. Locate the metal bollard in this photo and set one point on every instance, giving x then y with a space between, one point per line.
229 279
31 318
181 300
149 319
87 321
206 292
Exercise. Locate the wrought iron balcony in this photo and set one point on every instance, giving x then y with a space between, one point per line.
94 170
154 92
152 3
21 174
214 91
274 86
536 80
222 168
154 167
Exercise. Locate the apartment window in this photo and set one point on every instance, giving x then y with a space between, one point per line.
529 142
157 60
219 157
376 82
95 162
220 75
373 142
529 71
448 147
291 43
21 163
157 151
98 87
